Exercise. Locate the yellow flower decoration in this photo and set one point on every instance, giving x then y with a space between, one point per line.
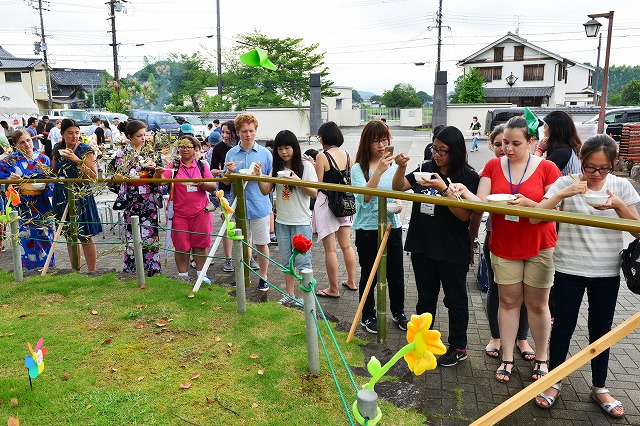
425 342
224 202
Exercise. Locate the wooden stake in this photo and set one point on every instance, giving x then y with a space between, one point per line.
55 241
372 274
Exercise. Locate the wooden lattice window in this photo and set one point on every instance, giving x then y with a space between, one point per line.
498 54
518 53
533 73
490 73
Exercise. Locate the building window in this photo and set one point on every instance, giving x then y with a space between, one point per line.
338 104
518 53
490 73
533 73
13 77
498 54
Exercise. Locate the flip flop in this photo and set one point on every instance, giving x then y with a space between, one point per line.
344 283
492 352
323 293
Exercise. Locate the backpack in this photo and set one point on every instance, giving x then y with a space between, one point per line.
341 204
631 266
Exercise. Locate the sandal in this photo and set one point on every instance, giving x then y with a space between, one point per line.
526 355
536 369
504 371
550 399
608 406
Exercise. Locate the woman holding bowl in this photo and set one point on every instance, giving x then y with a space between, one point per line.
34 208
438 236
75 159
523 271
137 160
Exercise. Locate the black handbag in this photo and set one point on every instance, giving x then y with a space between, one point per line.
120 204
631 266
341 203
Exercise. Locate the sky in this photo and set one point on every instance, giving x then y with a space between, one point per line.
370 45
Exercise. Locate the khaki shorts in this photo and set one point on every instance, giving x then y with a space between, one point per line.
259 231
535 272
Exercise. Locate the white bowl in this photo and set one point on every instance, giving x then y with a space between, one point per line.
596 200
245 171
393 208
423 175
500 198
284 173
38 186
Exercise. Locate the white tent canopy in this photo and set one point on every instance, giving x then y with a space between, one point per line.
15 100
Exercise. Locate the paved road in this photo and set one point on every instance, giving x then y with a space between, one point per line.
455 395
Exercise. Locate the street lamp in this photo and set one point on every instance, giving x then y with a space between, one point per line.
591 28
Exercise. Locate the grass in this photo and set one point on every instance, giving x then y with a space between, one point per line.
109 363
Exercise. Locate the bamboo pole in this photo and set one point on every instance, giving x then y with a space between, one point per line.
238 267
15 247
313 356
241 223
560 372
137 250
73 228
381 289
55 241
372 274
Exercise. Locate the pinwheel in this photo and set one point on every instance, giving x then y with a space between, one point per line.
35 361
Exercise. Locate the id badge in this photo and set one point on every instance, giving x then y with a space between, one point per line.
192 188
511 218
144 189
427 208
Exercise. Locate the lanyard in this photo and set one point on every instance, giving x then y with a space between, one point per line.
187 171
521 179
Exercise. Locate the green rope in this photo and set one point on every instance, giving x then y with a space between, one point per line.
333 373
185 232
274 287
275 262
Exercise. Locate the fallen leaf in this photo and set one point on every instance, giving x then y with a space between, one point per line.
297 334
42 313
94 312
139 306
230 344
261 371
106 341
254 356
191 295
218 339
209 400
113 370
161 323
13 422
202 304
194 376
4 305
141 378
229 351
65 376
138 326
185 385
89 406
14 402
23 316
254 405
170 319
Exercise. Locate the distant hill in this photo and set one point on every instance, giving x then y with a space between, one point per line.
366 95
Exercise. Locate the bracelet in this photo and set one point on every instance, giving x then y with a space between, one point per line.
539 149
445 192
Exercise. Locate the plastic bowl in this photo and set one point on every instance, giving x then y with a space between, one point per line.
393 208
244 171
500 198
596 200
422 175
38 186
284 173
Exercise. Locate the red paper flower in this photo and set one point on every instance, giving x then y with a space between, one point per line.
301 243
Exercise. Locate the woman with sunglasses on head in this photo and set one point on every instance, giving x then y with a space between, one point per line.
587 259
438 236
75 159
34 208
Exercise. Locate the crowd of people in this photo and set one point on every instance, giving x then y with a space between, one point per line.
526 258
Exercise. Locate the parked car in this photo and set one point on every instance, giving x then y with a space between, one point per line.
614 119
109 116
498 116
80 116
156 121
198 124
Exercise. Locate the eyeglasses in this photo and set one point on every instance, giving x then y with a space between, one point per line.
440 152
602 171
185 147
380 141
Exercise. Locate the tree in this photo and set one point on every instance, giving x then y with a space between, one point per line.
628 94
287 86
424 97
402 96
375 98
468 88
355 96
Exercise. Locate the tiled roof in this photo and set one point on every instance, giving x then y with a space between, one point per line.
9 61
77 77
5 54
516 92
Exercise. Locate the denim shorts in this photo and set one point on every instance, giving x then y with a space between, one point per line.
285 233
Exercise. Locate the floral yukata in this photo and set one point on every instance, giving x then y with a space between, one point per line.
143 200
36 229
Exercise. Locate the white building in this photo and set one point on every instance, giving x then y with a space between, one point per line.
524 74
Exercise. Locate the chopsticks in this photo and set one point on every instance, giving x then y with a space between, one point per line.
456 192
573 177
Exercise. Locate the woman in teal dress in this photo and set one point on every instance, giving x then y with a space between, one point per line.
36 231
75 159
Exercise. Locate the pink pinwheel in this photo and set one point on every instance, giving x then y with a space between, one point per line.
35 362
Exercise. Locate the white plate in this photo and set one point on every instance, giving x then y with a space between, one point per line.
500 198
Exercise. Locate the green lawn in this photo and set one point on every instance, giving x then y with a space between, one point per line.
109 362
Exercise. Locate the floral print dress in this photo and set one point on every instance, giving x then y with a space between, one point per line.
143 200
36 224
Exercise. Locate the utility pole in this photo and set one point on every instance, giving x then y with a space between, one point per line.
439 36
440 87
43 47
219 50
114 44
595 84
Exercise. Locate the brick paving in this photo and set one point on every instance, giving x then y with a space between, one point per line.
454 395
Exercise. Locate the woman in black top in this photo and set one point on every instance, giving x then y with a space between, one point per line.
561 142
438 236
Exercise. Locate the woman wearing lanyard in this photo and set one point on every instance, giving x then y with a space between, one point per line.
521 252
